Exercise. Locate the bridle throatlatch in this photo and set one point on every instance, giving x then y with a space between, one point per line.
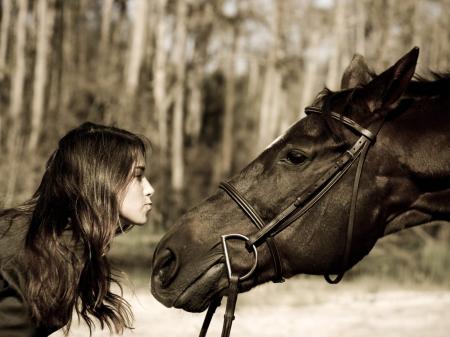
267 232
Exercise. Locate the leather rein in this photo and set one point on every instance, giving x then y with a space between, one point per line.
266 232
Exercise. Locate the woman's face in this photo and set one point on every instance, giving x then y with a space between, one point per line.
135 201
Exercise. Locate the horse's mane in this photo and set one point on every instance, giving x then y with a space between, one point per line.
436 85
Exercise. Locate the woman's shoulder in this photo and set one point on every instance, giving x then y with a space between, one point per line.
13 229
14 309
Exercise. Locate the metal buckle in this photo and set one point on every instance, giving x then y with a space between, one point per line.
227 257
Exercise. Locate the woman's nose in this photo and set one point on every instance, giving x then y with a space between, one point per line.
148 188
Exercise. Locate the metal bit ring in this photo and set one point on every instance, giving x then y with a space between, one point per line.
227 257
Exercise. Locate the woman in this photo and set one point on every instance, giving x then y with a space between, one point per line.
53 247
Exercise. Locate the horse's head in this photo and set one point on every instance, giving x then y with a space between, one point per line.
188 265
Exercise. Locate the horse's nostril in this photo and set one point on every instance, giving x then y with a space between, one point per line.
165 267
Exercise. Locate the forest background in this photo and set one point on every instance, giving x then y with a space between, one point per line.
209 82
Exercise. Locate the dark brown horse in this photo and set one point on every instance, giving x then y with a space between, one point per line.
400 179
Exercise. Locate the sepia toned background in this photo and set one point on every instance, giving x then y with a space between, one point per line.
210 83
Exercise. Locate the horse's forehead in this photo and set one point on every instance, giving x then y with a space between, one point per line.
309 127
276 140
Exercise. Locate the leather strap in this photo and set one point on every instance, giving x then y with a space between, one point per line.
233 290
232 294
215 302
259 223
343 119
352 215
351 218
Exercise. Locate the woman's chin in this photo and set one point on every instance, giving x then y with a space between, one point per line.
135 221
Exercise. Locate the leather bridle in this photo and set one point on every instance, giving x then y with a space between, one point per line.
266 232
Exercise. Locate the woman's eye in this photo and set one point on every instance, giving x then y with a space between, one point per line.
296 157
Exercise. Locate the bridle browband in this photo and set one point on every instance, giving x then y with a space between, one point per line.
266 232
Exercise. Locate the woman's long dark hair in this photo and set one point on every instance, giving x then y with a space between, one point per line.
74 217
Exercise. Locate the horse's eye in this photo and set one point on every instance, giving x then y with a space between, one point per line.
296 157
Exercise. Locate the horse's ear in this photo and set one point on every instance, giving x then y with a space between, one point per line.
387 88
356 74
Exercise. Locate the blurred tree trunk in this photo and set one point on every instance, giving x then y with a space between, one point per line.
254 79
439 45
44 28
309 73
203 28
118 44
161 105
18 79
338 44
177 161
159 80
269 121
14 158
4 35
435 45
385 21
444 59
195 79
15 139
77 43
224 161
416 24
309 46
264 114
105 36
60 64
252 103
137 48
4 39
360 26
68 58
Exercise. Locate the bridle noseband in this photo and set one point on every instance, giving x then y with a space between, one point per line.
266 232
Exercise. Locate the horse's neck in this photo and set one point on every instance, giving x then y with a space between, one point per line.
429 166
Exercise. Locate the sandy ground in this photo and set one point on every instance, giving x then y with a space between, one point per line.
304 307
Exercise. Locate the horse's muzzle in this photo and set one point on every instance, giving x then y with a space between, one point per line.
165 268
